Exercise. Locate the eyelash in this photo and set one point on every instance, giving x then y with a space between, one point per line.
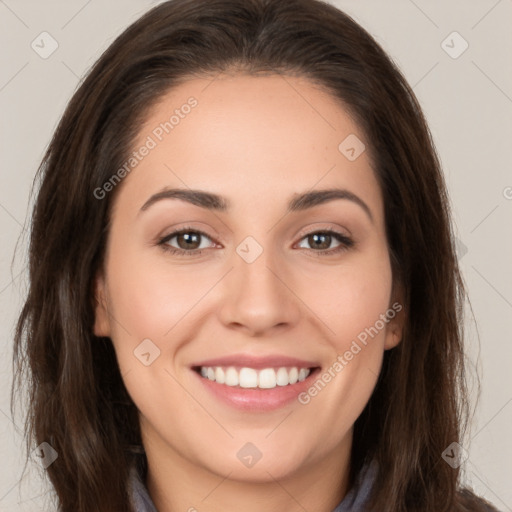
345 242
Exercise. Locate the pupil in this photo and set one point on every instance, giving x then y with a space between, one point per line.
325 241
190 238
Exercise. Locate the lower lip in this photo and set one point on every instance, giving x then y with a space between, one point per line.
257 399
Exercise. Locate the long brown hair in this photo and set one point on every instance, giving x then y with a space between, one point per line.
77 399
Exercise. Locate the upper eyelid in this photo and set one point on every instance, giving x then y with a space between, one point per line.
177 232
330 228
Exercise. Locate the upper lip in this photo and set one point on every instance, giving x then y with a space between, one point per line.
257 362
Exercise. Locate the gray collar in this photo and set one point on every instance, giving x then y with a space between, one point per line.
353 501
139 495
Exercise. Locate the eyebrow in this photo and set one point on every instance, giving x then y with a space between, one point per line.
299 202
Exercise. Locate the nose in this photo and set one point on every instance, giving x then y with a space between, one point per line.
258 297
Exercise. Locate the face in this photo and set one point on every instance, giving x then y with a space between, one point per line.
248 244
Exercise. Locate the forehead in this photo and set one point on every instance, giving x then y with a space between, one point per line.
261 138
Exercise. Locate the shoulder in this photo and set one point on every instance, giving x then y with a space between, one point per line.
468 501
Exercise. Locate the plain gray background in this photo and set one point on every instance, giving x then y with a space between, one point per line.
467 98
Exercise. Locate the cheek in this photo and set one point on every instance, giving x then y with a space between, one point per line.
349 298
349 305
150 297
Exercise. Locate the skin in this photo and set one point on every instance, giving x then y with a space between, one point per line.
257 141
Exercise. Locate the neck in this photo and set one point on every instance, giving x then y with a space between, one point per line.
175 483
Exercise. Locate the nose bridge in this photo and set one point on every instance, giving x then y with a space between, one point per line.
255 294
256 278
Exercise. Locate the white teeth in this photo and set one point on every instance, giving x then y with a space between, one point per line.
220 376
303 373
266 378
248 378
282 377
231 377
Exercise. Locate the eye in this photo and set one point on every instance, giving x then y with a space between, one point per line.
186 241
321 242
190 242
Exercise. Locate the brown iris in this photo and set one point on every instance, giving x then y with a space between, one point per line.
320 240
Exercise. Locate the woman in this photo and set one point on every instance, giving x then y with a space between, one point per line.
244 293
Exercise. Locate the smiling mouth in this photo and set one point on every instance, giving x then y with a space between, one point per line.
251 378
